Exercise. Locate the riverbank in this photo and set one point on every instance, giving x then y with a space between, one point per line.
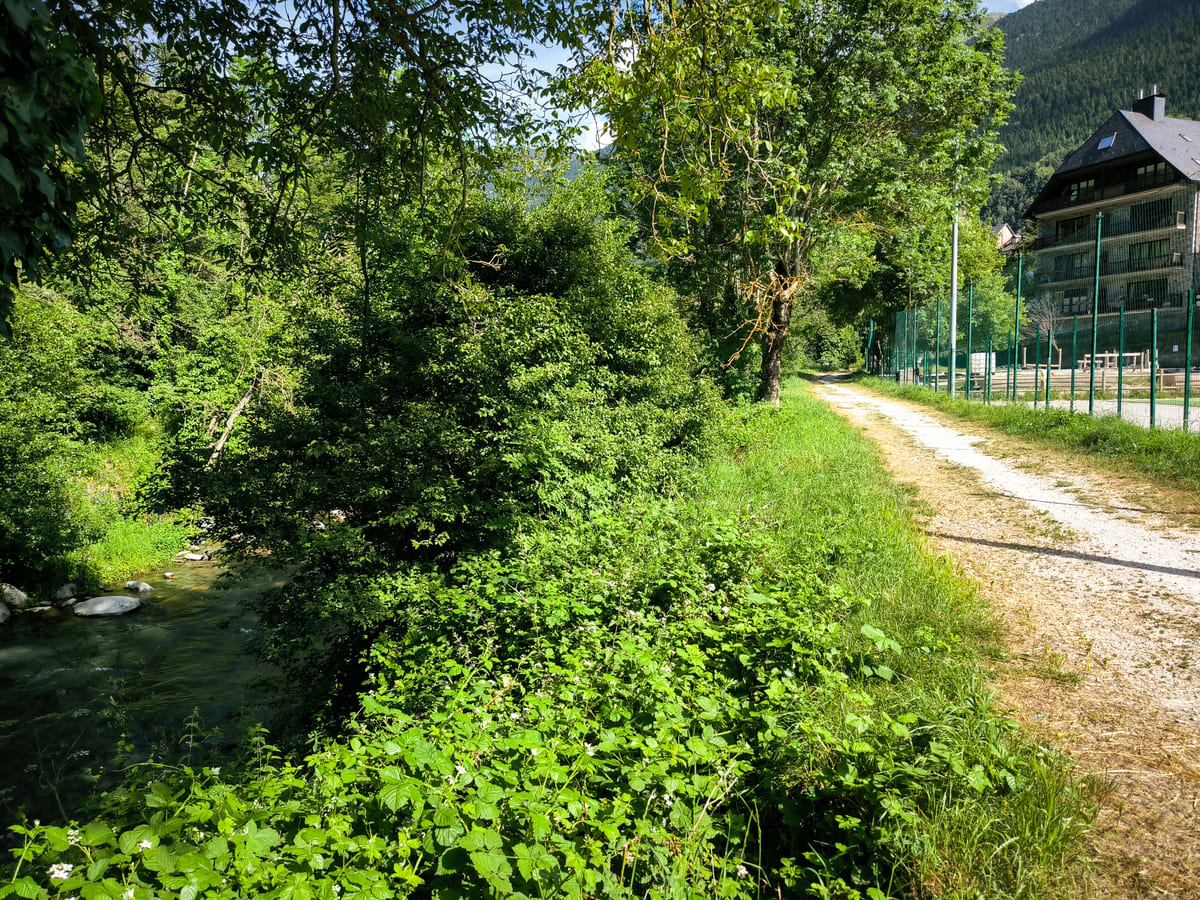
760 683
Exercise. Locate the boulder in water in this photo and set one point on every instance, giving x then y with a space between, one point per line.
107 606
66 592
140 586
12 596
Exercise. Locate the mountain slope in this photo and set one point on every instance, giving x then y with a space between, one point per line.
1082 60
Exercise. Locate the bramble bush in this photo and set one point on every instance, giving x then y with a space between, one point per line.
645 703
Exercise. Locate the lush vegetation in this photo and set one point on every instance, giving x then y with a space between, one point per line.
565 615
763 684
1081 61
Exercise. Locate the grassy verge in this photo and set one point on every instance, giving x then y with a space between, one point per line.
761 687
1168 454
115 540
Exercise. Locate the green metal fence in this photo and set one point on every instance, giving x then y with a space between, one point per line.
1142 366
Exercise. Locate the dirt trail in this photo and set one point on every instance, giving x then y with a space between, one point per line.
1096 577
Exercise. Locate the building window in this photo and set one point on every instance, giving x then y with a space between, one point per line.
1073 303
1151 215
1154 174
1070 265
1149 255
1106 142
1144 294
1082 191
1070 230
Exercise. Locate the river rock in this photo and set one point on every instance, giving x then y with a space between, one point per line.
4 613
194 557
107 606
14 597
66 592
140 586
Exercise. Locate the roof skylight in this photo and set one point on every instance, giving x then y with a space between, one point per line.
1106 142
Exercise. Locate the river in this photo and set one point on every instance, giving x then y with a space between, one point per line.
73 689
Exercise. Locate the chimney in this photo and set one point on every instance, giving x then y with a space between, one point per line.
1152 107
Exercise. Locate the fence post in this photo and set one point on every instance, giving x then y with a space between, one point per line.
1153 363
1120 362
987 378
1095 317
913 314
1049 351
1187 362
1037 363
1015 337
970 322
870 341
937 348
1010 392
1074 356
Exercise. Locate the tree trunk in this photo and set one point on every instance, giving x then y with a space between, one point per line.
773 340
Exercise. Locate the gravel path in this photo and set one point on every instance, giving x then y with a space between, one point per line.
1096 579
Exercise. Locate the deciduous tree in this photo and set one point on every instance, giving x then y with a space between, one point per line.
806 127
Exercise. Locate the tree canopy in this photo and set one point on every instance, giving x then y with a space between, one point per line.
807 129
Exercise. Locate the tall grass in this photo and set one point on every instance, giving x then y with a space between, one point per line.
821 492
118 539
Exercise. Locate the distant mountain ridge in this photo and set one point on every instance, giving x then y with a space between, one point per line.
1082 60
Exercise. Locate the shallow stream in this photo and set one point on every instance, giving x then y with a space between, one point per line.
73 689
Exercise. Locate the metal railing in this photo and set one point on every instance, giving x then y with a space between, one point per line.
1175 220
1108 192
1111 267
1145 359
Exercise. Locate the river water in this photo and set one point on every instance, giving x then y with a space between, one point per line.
174 678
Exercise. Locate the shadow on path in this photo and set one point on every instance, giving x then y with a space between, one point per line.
1069 554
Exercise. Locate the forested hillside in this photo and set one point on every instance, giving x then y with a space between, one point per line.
1082 60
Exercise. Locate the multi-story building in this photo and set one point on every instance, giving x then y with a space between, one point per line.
1137 179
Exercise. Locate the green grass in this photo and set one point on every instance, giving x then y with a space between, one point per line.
1168 454
820 490
119 541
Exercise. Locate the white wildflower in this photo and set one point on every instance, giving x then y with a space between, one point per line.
460 770
742 871
60 871
73 836
589 749
710 587
668 800
144 844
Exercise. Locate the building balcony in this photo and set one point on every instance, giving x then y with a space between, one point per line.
1104 192
1174 220
1113 267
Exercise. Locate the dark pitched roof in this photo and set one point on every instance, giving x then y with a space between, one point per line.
1177 141
1128 141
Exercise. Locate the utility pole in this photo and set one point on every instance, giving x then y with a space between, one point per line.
953 299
